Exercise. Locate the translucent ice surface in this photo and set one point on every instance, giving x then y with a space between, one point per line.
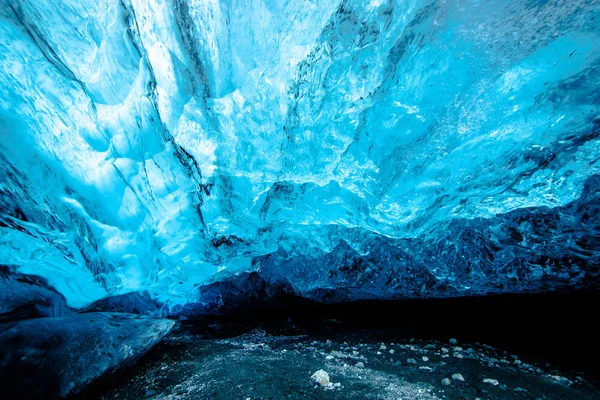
383 148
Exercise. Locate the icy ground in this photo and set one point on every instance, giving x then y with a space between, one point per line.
278 364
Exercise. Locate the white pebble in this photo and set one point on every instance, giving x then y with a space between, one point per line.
321 377
458 377
425 358
491 381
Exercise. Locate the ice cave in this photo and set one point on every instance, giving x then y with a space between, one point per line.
300 199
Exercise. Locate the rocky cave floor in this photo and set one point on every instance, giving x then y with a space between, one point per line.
277 362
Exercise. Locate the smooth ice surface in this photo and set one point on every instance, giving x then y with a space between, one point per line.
383 147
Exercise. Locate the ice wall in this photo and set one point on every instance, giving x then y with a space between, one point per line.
161 144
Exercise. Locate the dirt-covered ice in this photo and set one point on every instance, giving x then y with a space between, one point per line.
262 365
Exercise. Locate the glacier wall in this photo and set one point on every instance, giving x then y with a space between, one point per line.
385 148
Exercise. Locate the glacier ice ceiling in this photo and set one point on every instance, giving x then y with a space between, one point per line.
379 148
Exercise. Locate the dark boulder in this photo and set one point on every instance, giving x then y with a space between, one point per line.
59 356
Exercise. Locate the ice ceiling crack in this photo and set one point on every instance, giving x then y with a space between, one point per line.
339 149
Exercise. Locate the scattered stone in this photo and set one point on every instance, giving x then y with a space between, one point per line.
561 379
392 351
322 377
411 361
355 353
359 364
458 348
378 353
491 381
459 356
453 342
329 358
425 358
458 377
382 347
426 368
446 382
445 350
337 384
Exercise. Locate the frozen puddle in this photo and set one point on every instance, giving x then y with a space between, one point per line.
258 365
